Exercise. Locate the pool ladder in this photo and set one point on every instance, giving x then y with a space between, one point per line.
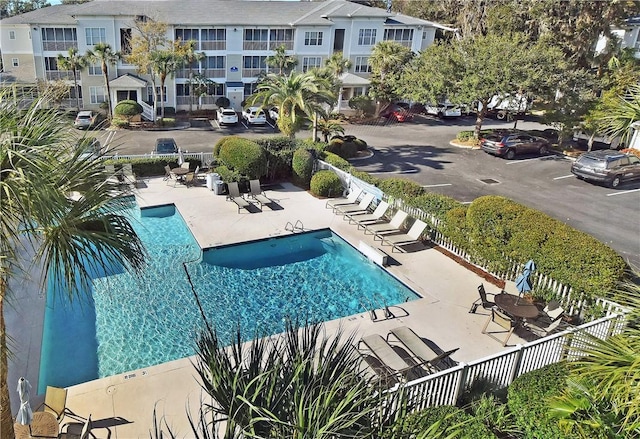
371 309
294 228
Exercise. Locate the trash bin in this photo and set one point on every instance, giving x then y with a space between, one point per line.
211 180
219 187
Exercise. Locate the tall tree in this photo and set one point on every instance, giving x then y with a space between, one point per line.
285 63
75 63
337 64
58 207
387 61
191 57
106 56
476 69
9 8
296 95
164 63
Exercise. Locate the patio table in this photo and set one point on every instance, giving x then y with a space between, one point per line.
516 306
43 424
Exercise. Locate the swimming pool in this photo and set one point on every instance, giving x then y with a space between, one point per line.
128 323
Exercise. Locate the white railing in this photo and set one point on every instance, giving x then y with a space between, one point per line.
206 158
147 111
445 387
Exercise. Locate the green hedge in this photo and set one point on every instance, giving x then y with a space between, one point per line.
401 188
127 108
499 227
447 421
302 167
343 148
326 184
528 397
222 141
337 161
243 156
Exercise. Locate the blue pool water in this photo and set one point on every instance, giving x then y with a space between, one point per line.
129 322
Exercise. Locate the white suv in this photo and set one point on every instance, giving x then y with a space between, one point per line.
227 116
254 116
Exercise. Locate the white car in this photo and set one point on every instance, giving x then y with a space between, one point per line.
254 116
443 109
227 116
85 119
273 113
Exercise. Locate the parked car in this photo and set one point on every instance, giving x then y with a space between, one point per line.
443 109
254 116
85 120
508 144
227 116
582 138
607 166
273 113
166 145
396 114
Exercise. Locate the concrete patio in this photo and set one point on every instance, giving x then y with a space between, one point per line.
126 402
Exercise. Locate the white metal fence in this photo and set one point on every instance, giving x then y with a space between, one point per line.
206 158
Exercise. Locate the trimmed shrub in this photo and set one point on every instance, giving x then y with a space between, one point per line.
326 183
219 143
244 156
436 204
343 148
302 167
337 161
127 109
401 188
448 419
365 176
119 122
150 167
360 144
468 134
223 102
527 400
168 122
279 163
277 143
227 175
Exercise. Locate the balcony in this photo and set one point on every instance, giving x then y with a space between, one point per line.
53 75
288 45
57 46
213 45
252 73
254 45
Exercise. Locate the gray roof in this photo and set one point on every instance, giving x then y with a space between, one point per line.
219 12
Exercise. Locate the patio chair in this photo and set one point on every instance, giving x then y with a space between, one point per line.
257 194
542 330
127 172
167 173
361 218
417 347
234 195
411 237
189 179
507 324
551 312
394 225
55 402
384 352
362 206
482 301
353 196
79 430
185 165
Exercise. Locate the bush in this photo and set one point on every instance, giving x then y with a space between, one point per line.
468 134
363 104
277 143
168 122
244 156
302 167
150 167
227 175
326 183
219 143
360 144
365 176
401 188
127 109
343 148
337 161
527 401
119 122
449 420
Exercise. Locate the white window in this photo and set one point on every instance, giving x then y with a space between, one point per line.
95 35
94 69
313 38
311 62
362 65
367 37
150 93
98 95
400 36
15 62
12 35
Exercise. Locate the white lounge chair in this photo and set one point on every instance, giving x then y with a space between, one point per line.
362 206
361 219
411 237
350 199
392 226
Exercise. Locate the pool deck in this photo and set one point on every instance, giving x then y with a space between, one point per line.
126 401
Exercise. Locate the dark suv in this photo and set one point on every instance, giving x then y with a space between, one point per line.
607 166
509 144
166 146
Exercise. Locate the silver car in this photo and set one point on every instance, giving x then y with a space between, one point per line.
85 120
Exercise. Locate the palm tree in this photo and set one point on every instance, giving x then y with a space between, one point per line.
337 64
296 95
75 63
58 206
103 53
619 113
281 60
165 63
329 127
190 57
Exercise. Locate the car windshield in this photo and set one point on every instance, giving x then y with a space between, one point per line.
228 113
591 162
494 137
165 146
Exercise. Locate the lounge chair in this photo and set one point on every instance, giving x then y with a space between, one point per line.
504 321
384 352
234 195
350 199
127 172
411 237
257 194
361 219
55 402
482 301
392 226
362 206
417 347
79 430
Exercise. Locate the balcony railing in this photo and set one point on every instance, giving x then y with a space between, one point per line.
53 75
207 73
288 45
405 43
254 45
213 45
252 73
59 45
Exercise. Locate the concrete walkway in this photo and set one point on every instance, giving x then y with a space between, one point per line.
127 401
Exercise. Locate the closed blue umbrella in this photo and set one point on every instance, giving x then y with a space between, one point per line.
530 265
522 282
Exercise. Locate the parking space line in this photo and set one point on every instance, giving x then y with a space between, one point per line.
409 171
437 185
623 192
522 161
564 176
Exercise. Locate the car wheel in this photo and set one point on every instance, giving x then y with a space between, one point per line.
440 115
501 115
615 182
544 149
510 155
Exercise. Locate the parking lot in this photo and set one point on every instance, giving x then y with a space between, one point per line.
420 151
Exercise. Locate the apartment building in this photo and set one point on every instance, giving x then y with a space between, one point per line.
236 36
